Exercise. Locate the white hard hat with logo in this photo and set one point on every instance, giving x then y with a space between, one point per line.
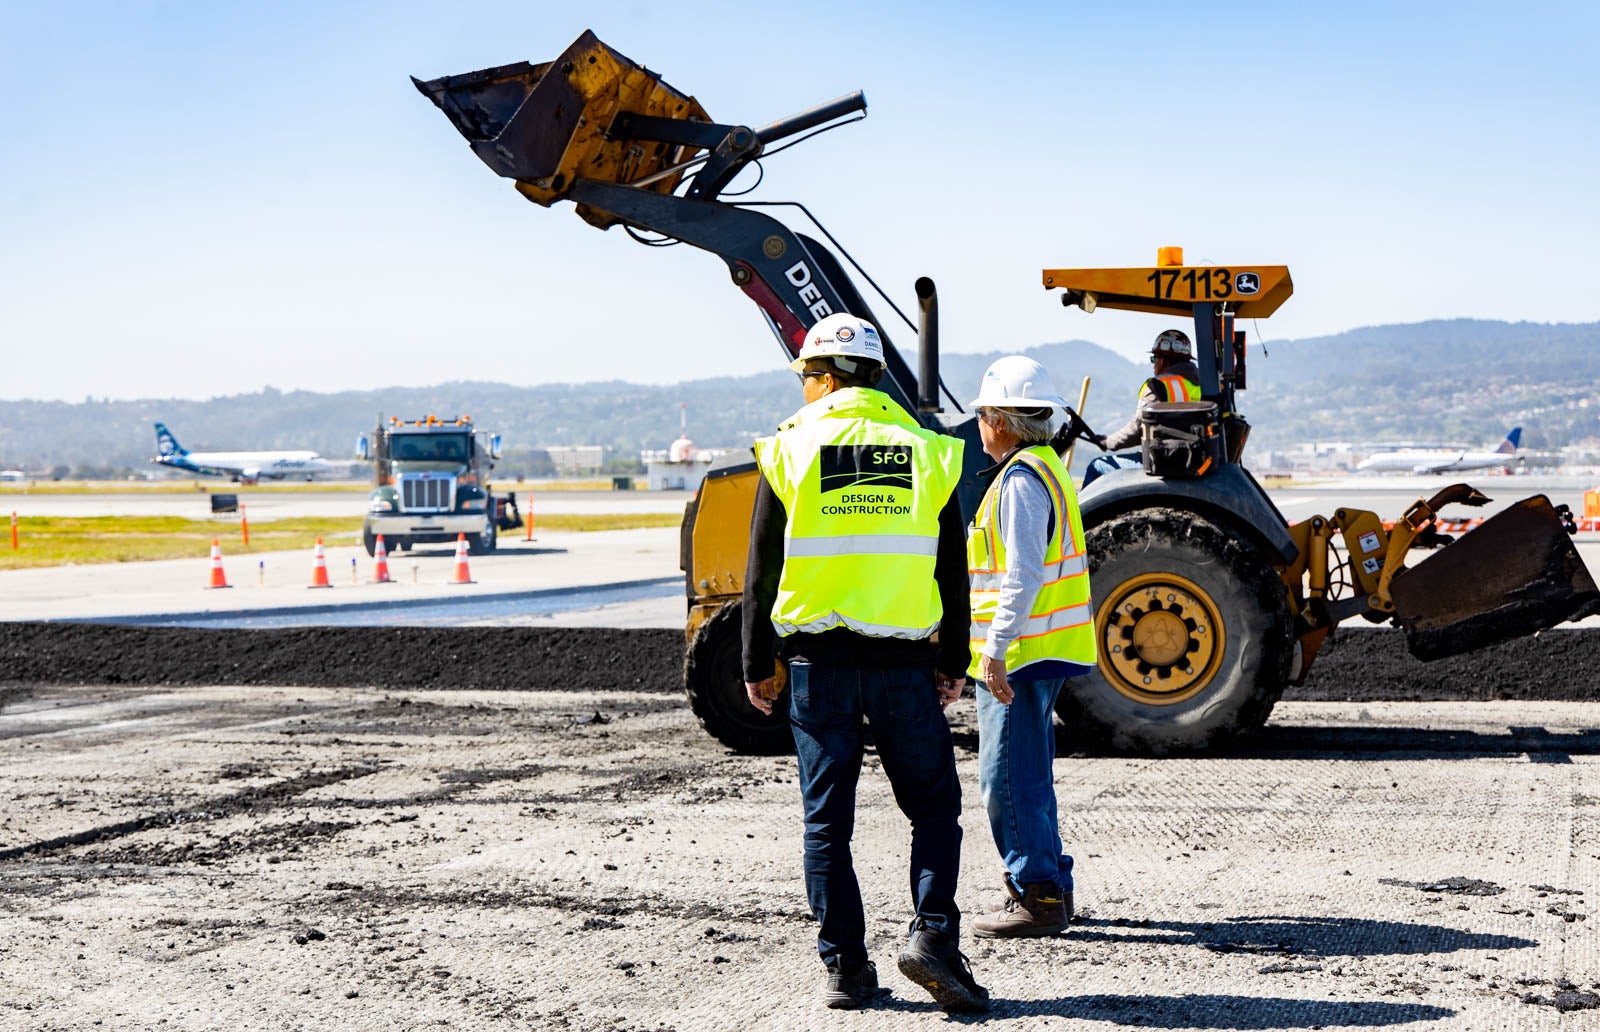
1017 382
1174 343
841 336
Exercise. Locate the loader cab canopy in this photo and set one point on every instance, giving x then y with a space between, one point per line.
1249 291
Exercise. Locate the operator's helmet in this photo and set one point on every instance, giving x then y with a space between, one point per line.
1018 382
853 345
1173 344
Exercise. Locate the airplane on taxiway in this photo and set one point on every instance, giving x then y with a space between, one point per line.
245 467
1445 460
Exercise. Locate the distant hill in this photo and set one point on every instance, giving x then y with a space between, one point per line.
1454 380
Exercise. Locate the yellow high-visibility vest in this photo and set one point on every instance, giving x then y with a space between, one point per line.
862 483
1060 626
1173 388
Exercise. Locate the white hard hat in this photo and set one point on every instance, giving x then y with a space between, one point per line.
1017 382
841 336
1172 342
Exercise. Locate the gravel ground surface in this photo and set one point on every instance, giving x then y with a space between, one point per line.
314 858
1359 664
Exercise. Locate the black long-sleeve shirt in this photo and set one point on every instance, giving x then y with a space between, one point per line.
840 646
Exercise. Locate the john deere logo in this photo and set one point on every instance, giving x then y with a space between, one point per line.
865 465
1247 283
844 335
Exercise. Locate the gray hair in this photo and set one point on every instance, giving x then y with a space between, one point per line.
1030 426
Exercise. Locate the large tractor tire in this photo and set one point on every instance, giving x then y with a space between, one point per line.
713 675
1194 636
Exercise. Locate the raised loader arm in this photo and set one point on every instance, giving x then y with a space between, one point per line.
599 130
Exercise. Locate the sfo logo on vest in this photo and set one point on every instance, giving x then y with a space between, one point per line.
872 477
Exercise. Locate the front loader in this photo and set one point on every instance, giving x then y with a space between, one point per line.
1208 602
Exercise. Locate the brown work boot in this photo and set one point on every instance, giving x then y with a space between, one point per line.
1042 910
1013 896
1006 900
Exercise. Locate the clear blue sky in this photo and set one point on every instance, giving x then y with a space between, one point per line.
207 199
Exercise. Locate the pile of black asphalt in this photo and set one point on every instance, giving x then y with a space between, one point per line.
1355 665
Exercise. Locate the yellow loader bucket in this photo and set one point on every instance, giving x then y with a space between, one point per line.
545 125
1516 574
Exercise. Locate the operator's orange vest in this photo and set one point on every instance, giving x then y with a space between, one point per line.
1176 388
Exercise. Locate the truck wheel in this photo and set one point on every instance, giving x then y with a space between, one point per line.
370 539
713 675
484 542
1193 632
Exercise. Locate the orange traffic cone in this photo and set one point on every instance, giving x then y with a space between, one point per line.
218 578
319 568
463 575
380 571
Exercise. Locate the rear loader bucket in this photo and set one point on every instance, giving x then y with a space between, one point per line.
545 125
1516 574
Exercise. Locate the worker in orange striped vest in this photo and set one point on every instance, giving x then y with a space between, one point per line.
1031 629
1176 379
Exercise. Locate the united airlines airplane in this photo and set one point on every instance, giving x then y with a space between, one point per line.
1445 460
245 467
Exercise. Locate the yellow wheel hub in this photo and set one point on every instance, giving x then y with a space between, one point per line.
1161 638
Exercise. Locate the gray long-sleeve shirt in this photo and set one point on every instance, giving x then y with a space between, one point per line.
1131 433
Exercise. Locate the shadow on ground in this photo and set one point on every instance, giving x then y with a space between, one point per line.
1279 937
1539 744
1192 1010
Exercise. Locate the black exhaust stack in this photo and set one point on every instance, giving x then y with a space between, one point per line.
927 346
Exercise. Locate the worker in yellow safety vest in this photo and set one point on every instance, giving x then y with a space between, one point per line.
1031 629
1176 379
855 562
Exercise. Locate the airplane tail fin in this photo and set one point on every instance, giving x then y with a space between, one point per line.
1512 442
166 444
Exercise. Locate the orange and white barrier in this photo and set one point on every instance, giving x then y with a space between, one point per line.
380 569
219 579
463 575
319 568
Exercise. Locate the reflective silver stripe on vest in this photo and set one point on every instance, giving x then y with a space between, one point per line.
859 626
861 544
1071 616
1071 566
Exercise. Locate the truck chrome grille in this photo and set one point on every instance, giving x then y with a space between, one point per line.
433 493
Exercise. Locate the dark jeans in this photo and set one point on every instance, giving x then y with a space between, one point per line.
912 737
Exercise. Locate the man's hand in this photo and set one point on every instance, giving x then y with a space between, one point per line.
1098 440
949 688
762 693
994 679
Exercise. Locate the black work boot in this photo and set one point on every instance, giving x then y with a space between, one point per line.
1040 911
932 960
848 989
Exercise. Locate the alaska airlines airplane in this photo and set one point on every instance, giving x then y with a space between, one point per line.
246 467
1440 460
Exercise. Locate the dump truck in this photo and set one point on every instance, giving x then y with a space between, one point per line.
431 483
1208 603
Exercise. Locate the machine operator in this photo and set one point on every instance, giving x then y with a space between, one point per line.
1176 379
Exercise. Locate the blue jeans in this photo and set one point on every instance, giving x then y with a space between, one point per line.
912 737
1016 765
1104 464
